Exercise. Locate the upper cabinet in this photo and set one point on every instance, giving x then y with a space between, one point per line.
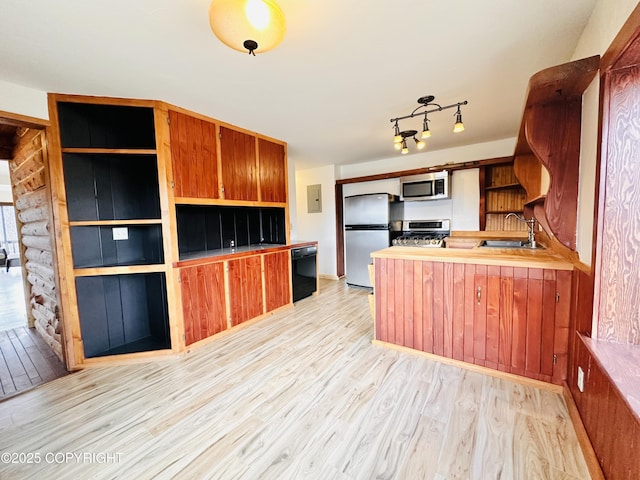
194 156
239 165
273 171
547 154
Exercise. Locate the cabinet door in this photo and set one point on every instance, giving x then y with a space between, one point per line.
193 156
273 178
277 280
203 301
245 289
239 165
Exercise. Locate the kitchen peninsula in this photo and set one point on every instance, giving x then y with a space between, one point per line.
506 309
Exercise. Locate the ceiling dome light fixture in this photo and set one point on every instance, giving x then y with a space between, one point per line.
400 137
255 26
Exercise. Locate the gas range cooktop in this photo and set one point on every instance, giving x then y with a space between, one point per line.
423 233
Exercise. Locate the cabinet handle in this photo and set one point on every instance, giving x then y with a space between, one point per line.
479 293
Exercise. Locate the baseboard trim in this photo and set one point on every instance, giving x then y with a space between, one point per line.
588 452
325 276
472 367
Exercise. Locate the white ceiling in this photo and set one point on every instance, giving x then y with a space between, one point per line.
343 70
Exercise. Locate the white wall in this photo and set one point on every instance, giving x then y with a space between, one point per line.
587 172
23 100
318 226
606 20
462 209
428 158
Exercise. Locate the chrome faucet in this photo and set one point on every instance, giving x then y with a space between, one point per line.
531 227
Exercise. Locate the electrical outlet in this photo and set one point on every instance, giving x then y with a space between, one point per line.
580 379
120 233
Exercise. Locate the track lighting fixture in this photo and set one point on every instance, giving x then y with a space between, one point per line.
400 136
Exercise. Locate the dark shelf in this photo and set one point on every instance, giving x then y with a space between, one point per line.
123 313
111 187
95 246
147 344
208 228
105 126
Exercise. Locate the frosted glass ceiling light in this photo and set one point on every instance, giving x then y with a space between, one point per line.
425 103
253 26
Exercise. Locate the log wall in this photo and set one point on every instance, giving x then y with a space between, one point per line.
33 207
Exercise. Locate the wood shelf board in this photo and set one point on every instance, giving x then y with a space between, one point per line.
535 200
504 187
107 223
119 270
223 202
496 212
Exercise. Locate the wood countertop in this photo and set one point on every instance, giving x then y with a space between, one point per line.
221 254
508 257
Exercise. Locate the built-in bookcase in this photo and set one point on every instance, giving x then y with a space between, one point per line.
110 169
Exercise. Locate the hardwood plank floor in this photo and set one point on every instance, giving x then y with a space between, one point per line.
25 361
302 394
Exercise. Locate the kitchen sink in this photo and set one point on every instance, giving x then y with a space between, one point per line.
505 243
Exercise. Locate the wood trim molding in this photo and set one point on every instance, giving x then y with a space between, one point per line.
419 171
472 367
615 56
588 452
17 120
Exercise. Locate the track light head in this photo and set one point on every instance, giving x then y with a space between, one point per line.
458 126
426 133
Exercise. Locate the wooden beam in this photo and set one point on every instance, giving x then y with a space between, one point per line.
16 120
419 171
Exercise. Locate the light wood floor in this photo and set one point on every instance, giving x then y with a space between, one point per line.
302 394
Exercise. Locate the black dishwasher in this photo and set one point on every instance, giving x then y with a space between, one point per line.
304 272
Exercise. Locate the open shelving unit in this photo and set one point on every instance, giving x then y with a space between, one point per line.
500 194
114 226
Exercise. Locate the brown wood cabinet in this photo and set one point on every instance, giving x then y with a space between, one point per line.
239 165
203 301
511 319
272 171
149 169
277 280
245 289
193 156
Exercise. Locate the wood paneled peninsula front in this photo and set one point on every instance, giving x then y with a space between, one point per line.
504 309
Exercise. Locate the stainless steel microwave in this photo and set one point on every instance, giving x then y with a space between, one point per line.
430 186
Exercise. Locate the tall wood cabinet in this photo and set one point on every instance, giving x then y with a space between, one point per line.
139 184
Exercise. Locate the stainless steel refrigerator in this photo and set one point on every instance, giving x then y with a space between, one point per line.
370 222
